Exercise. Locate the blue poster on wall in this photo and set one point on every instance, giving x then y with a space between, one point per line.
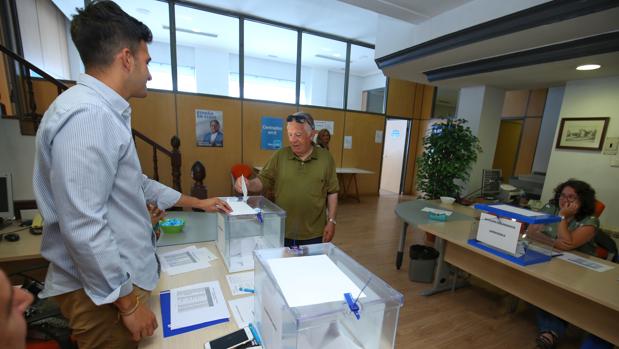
272 129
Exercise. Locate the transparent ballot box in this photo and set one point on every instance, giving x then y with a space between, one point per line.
317 296
253 224
516 234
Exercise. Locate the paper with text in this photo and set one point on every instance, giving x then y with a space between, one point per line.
242 310
240 280
584 262
195 304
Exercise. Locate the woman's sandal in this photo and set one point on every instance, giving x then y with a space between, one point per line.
546 340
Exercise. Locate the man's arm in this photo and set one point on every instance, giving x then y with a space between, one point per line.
329 231
254 185
166 197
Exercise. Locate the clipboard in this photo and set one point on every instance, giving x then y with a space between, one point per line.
164 301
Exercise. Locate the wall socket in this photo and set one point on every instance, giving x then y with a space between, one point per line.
610 146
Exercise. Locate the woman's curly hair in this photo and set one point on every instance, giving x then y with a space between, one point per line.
586 195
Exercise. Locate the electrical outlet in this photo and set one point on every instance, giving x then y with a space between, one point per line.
610 146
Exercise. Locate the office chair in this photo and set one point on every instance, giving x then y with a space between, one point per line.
606 246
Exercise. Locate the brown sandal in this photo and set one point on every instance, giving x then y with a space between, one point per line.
546 340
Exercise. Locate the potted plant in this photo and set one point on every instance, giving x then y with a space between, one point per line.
450 149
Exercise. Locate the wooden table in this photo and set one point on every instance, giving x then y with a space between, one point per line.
342 173
194 339
27 247
351 173
410 213
583 297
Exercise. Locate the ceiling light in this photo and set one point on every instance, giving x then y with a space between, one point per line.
192 31
588 67
331 58
143 11
272 56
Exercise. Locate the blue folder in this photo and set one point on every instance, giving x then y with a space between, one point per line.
164 300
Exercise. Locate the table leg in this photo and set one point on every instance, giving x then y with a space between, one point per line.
400 254
354 177
441 273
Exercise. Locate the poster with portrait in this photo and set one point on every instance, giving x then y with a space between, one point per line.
209 128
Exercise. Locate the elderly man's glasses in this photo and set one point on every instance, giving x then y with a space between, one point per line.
302 119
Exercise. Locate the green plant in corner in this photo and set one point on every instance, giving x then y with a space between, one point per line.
450 149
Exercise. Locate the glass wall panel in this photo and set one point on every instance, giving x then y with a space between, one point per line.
366 84
323 64
155 15
270 63
207 51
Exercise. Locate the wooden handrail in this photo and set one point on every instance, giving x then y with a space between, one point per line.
174 154
20 59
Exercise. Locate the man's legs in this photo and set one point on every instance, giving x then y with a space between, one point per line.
93 326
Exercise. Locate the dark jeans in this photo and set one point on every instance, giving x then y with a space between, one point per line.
291 242
548 322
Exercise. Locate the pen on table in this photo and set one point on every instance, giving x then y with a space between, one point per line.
248 290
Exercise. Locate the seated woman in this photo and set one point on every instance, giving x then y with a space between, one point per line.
574 201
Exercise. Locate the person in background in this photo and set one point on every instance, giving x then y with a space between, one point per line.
215 138
323 138
574 201
13 303
89 187
303 179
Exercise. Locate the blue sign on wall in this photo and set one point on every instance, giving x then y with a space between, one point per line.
272 129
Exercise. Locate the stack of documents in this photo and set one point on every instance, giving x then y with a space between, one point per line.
192 307
186 260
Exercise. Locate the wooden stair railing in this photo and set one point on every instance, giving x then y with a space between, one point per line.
30 115
174 154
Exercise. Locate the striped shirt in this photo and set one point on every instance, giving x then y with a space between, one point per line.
92 194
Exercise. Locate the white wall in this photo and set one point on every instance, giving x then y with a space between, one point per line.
547 129
589 98
393 35
17 158
481 106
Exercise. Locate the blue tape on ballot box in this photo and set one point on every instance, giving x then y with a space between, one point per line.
495 209
529 258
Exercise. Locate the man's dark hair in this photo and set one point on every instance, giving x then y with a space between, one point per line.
102 29
586 196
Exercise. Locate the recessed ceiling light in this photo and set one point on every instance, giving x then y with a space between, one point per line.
588 67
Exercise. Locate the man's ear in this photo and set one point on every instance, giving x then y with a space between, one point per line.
126 59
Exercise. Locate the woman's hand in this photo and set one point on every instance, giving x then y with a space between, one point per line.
569 210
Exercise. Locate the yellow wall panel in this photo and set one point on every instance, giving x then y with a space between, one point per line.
217 160
252 115
400 99
528 144
365 153
154 116
336 144
515 103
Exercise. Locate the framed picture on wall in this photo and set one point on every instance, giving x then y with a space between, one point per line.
582 133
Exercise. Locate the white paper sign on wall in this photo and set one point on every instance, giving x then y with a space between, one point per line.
347 142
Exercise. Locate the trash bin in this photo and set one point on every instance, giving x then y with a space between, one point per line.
422 263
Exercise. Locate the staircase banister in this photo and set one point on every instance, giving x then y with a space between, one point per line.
33 68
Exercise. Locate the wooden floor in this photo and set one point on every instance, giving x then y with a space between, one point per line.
472 317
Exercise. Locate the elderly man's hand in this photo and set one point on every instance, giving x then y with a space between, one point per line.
214 205
238 184
328 232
